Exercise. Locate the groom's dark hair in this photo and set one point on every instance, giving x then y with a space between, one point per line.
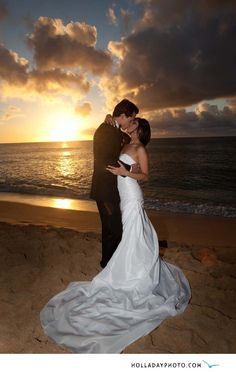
125 107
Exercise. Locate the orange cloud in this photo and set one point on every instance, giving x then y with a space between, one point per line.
47 85
57 81
88 132
10 112
83 109
117 49
16 80
71 46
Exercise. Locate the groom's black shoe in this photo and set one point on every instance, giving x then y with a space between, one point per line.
103 264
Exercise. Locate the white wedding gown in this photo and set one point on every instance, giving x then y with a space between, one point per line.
135 292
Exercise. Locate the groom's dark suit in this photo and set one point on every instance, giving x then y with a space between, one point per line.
107 144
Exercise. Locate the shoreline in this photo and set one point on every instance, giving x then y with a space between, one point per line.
73 203
49 201
173 228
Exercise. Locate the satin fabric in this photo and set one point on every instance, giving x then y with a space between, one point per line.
135 292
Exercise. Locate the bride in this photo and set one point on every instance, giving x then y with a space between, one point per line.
136 291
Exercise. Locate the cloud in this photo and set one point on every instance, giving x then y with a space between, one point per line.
56 45
126 19
84 109
16 80
123 20
88 132
13 68
112 17
207 120
177 55
57 81
164 14
3 10
9 113
47 85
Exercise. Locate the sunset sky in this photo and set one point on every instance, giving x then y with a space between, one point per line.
64 64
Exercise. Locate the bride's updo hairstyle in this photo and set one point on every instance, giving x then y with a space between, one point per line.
143 130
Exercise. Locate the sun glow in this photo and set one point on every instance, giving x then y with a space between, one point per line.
62 203
64 127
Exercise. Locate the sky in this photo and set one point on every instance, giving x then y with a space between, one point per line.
64 64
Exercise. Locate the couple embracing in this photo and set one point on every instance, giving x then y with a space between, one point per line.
136 290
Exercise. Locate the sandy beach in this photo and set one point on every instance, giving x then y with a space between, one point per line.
43 249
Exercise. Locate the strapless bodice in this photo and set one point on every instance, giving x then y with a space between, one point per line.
126 158
129 189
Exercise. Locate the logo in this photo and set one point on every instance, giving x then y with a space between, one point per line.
211 365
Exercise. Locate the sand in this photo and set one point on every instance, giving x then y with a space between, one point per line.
43 249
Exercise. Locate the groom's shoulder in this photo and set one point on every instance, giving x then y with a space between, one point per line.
104 128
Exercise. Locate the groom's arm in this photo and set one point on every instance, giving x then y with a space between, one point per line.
104 151
104 145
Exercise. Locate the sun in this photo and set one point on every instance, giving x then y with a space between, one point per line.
64 127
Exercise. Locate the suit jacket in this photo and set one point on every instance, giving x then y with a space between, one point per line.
107 144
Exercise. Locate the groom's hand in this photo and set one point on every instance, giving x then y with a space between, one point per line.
135 168
118 171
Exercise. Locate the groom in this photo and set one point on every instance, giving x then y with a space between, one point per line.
107 144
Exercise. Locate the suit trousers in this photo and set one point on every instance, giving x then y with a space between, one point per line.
111 220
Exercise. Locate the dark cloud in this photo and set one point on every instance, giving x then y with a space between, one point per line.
71 45
13 68
206 121
3 10
57 81
83 109
126 21
180 53
14 72
164 13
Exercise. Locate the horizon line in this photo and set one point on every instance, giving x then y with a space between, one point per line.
81 140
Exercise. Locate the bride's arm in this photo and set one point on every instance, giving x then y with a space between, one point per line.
143 163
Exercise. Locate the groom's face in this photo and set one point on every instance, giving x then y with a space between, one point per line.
125 121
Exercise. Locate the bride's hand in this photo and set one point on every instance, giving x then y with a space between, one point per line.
118 171
109 120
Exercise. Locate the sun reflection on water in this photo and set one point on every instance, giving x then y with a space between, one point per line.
63 203
65 165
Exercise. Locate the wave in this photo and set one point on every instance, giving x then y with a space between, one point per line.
191 208
46 190
150 204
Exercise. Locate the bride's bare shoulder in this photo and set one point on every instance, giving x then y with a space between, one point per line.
141 149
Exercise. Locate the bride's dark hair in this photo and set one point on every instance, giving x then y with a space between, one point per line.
144 130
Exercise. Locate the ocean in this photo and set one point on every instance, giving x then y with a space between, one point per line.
187 175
